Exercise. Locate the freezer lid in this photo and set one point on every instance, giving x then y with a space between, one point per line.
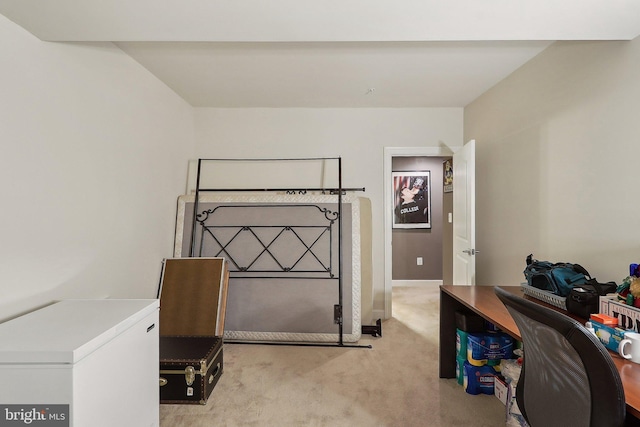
67 331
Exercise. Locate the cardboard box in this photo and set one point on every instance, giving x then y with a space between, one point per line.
628 316
609 336
500 390
489 346
604 319
479 379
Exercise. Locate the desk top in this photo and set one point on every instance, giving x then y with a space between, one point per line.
483 301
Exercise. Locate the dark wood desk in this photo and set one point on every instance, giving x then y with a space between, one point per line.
483 301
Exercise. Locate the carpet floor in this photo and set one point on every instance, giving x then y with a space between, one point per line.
395 383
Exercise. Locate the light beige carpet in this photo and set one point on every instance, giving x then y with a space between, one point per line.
393 384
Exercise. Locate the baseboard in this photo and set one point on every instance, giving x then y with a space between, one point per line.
416 282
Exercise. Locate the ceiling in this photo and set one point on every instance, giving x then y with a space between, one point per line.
328 53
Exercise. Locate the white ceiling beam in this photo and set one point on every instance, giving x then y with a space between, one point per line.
325 20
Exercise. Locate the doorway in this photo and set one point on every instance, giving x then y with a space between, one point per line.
389 154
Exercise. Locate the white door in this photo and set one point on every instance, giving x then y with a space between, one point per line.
464 215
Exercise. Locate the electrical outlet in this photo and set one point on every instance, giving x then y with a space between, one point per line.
419 260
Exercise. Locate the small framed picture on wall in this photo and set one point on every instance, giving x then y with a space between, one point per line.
447 173
412 199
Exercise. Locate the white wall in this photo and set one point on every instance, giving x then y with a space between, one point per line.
94 154
356 135
557 162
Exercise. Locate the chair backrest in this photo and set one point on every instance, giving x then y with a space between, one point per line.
568 377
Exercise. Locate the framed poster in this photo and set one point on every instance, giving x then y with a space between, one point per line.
447 176
412 199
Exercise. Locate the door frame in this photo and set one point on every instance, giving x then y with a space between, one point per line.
389 154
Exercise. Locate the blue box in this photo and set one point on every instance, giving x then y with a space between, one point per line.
489 346
478 379
609 336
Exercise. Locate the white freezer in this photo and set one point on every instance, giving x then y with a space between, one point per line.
100 357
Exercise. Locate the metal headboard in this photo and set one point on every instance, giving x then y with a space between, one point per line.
333 230
266 251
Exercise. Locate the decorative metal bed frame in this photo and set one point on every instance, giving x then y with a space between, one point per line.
300 239
263 235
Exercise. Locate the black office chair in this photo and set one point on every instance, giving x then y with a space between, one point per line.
568 377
